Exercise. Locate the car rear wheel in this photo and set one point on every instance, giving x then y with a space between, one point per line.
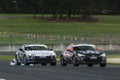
102 65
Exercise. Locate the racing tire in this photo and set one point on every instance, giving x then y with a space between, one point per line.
102 65
53 63
17 63
62 62
25 61
76 64
26 64
90 65
43 64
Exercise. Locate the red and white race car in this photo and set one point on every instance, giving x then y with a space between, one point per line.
83 54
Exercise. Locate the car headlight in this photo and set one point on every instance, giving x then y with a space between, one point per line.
103 55
29 54
80 55
53 54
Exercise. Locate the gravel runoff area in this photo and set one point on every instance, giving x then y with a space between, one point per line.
113 60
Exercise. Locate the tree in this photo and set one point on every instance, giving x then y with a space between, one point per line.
112 6
57 8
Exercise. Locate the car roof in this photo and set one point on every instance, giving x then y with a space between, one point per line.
84 45
35 45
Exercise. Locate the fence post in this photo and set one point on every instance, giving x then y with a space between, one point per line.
35 36
11 42
85 38
110 41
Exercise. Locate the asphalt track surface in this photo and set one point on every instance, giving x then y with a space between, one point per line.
38 72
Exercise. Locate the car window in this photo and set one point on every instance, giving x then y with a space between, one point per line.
84 48
35 48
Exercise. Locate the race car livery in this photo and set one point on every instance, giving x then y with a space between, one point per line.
35 53
83 54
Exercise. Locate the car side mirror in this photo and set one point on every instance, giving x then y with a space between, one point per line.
99 49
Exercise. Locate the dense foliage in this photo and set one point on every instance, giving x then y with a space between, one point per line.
59 8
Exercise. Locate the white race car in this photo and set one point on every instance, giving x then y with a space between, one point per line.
35 53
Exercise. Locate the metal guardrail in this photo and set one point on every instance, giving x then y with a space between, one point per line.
20 38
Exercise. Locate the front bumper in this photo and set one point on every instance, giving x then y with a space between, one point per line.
68 60
38 59
90 60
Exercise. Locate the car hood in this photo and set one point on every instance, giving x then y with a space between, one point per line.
40 53
89 52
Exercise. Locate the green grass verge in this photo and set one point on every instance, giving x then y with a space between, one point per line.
107 25
114 64
6 58
113 55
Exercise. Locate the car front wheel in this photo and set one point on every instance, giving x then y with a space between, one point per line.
43 64
17 62
62 61
102 65
90 65
53 63
75 63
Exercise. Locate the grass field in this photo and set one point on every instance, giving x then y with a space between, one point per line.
25 23
106 25
113 55
6 58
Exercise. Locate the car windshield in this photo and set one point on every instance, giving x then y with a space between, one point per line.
84 48
35 48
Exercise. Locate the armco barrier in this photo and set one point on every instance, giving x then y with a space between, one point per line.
56 47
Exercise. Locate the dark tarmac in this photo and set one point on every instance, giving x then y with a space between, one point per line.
58 72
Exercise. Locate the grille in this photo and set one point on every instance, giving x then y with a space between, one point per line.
87 59
42 59
90 55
